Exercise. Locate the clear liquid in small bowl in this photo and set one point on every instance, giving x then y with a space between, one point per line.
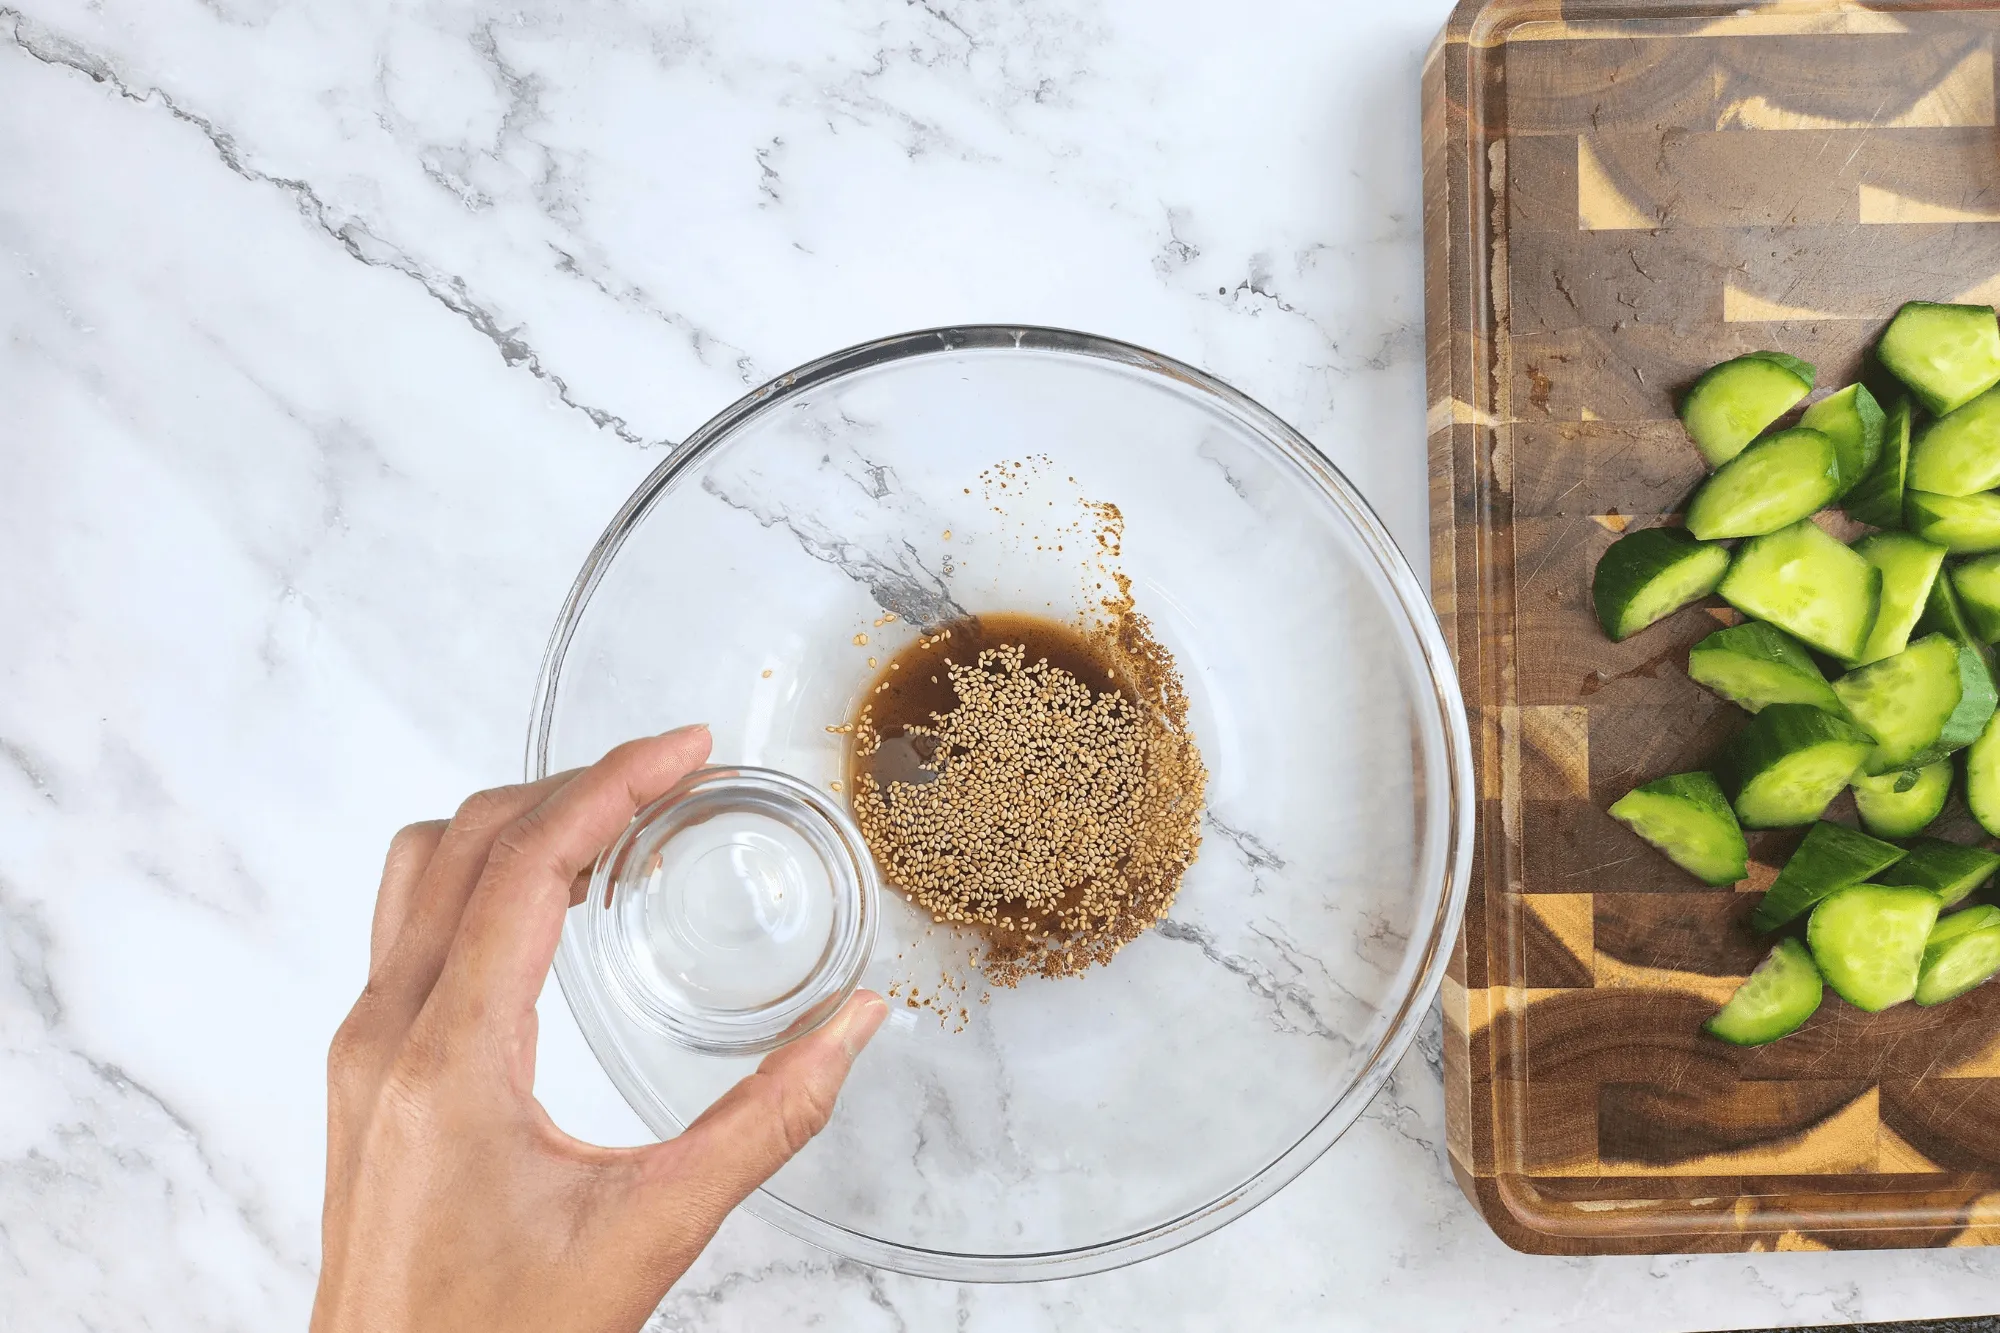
735 913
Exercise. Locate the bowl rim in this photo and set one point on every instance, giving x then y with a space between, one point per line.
1456 783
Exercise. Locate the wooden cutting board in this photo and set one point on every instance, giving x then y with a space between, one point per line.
1618 195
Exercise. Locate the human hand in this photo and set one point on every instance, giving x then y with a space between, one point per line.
452 1200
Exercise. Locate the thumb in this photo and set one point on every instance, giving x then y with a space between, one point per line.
762 1122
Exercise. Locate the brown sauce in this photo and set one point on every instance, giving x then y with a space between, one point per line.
915 687
1059 822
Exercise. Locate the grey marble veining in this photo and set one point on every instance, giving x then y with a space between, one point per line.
335 333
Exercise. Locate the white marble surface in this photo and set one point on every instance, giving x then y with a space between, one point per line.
335 331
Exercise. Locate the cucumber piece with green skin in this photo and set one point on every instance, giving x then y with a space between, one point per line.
1853 420
1909 568
1773 483
1649 574
1903 803
1808 585
1731 404
1791 760
1687 817
1754 664
1959 454
1982 778
1977 583
1905 701
1963 725
1963 952
1832 857
1878 499
1962 524
1774 1001
1947 354
1949 928
1977 699
1949 870
1869 942
1944 614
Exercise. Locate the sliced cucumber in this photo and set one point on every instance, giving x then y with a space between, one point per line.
1963 952
1649 574
1687 817
1982 778
1904 701
1909 567
1853 420
1869 942
1731 404
1831 858
1947 869
1809 585
1976 702
1949 928
1879 497
1947 354
1901 695
1977 583
1945 614
1959 454
1789 763
1774 1001
1754 664
1774 482
1962 524
1902 803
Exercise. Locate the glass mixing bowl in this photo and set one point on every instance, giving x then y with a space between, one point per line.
1067 1125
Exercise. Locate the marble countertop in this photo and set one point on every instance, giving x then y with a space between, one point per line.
336 331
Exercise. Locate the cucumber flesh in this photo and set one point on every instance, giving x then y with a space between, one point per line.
1957 961
1904 701
1731 404
1962 524
1982 778
1949 870
1944 614
1754 664
1773 483
1869 942
1959 454
1949 928
1647 575
1807 584
1853 420
1909 568
1687 817
1878 499
1977 583
1774 1001
1786 766
1977 699
1831 858
1947 354
1903 803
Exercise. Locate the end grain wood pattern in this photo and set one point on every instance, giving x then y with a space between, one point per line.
1618 195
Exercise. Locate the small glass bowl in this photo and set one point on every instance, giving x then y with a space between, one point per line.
735 913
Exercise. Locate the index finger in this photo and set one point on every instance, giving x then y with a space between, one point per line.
514 917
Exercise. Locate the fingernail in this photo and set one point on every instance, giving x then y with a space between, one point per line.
859 1023
687 730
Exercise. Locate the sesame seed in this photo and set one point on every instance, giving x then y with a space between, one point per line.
1057 821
